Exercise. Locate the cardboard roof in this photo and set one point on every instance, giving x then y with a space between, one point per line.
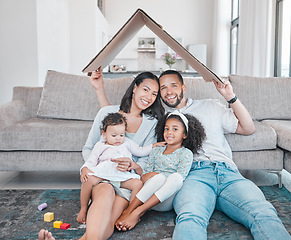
129 30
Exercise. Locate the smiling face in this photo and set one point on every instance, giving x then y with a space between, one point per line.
174 132
114 134
145 94
172 91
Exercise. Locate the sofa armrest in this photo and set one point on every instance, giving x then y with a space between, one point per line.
24 105
12 112
30 96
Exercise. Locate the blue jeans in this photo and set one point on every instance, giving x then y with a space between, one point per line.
219 185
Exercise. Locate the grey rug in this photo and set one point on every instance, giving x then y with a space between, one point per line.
20 218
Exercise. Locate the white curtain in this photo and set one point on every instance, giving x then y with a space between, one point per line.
221 39
256 38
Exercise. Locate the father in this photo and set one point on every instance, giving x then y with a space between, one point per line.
214 181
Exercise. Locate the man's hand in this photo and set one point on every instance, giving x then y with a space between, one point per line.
225 89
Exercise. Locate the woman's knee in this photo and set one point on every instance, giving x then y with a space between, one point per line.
104 190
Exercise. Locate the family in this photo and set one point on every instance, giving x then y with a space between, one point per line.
159 150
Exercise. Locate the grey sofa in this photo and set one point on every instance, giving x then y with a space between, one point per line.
45 128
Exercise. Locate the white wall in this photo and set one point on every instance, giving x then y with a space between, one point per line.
53 36
18 46
38 35
190 19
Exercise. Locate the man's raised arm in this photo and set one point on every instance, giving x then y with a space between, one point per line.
245 122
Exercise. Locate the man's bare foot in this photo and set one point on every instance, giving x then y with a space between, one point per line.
132 219
45 235
81 218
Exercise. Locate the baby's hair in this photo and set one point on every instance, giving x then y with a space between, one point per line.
113 119
195 134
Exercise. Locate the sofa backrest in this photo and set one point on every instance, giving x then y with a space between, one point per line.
69 96
264 97
198 89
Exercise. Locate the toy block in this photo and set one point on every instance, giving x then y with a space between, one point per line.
57 224
42 206
48 217
65 226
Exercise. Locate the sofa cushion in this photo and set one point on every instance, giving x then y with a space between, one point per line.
37 134
265 98
283 130
67 96
264 138
198 89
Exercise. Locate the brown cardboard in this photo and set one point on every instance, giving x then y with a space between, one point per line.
128 31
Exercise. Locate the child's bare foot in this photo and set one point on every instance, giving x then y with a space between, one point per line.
132 219
81 218
45 235
119 222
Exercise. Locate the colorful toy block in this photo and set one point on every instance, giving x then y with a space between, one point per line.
48 217
42 206
65 226
57 224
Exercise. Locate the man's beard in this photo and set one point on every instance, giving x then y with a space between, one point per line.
179 99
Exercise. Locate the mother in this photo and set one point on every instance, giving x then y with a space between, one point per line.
141 106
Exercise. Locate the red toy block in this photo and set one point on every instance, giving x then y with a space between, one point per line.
65 226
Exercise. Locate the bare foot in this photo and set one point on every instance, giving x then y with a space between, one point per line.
132 219
81 218
119 222
45 235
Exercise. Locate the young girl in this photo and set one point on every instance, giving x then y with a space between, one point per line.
101 167
167 167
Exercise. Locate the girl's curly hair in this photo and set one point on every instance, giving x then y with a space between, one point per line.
195 134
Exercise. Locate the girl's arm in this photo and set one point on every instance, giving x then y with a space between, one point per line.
151 162
93 159
185 163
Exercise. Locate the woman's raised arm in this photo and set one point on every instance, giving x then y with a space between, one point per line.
97 82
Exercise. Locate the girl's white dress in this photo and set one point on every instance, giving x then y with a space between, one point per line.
100 162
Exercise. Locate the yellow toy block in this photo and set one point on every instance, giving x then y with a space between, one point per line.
57 224
48 217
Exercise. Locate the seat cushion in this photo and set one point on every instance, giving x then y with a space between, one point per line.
283 130
264 138
37 134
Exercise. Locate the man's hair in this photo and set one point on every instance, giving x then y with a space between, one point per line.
173 72
113 119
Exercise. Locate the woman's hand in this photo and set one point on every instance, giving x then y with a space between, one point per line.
96 79
159 144
126 164
97 82
84 174
123 164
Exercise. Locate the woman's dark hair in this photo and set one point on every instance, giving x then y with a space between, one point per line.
113 119
195 134
173 72
156 110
